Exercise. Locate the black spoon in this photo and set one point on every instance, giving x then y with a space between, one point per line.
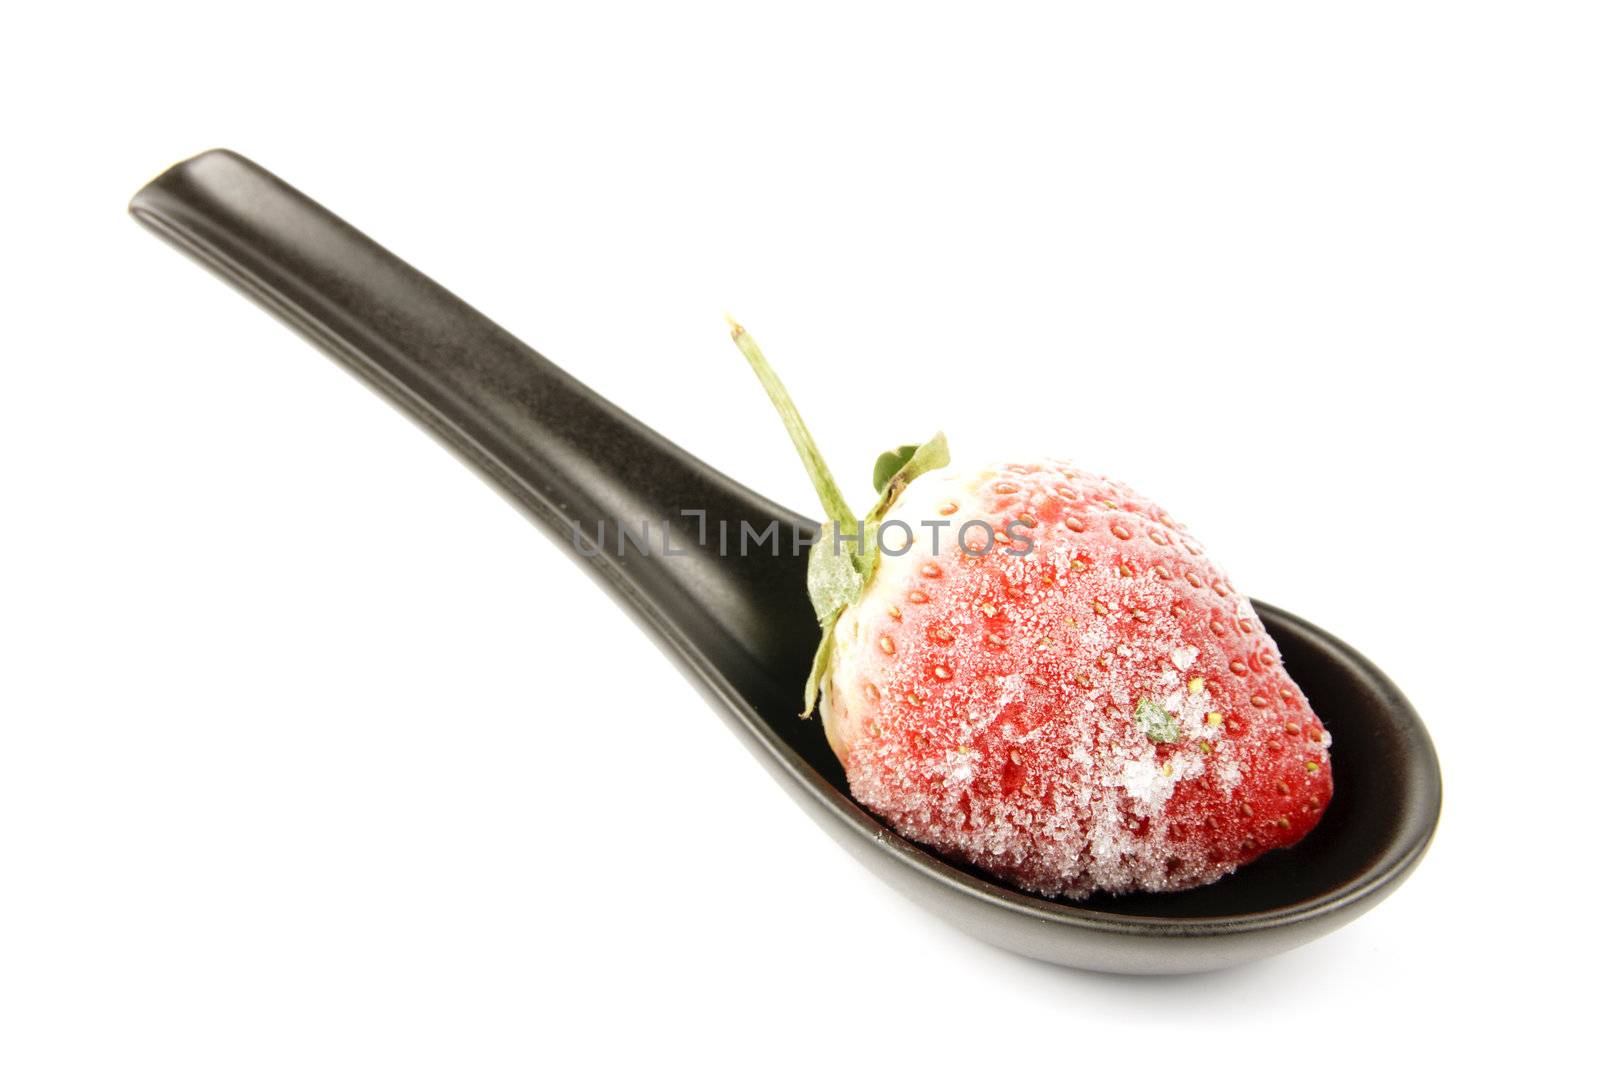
741 626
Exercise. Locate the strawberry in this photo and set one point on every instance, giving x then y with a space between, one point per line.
1035 670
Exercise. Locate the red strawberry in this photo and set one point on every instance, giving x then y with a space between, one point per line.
1084 704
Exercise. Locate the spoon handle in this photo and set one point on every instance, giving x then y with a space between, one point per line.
573 460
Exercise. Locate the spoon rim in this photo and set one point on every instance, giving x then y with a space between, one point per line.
1390 864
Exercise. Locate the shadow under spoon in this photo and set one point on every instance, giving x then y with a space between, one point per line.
741 627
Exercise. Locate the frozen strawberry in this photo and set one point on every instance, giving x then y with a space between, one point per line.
1037 671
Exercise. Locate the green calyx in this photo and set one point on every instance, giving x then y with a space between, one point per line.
845 554
1157 725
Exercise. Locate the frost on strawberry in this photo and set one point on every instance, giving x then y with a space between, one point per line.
1045 676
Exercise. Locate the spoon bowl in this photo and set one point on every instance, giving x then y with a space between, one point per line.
740 625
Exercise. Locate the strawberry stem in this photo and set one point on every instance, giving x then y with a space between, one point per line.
835 580
833 502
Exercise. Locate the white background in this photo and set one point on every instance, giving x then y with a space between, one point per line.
315 751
